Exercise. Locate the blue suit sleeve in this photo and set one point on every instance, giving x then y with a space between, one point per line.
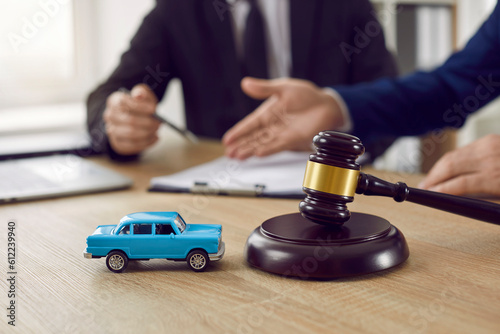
424 101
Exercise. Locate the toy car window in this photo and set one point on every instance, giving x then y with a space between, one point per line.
142 228
164 229
125 230
181 225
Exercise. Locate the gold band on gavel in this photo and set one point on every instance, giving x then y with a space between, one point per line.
331 179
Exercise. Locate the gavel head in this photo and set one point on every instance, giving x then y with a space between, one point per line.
331 178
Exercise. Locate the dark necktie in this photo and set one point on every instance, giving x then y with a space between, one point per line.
254 44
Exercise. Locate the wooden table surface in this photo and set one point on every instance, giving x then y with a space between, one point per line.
449 284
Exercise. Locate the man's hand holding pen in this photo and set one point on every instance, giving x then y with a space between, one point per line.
129 117
132 122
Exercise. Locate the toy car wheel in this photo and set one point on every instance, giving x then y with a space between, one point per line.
198 260
117 261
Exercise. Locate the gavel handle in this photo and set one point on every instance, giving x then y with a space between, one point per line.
468 207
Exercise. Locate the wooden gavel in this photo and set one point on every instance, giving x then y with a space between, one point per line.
332 178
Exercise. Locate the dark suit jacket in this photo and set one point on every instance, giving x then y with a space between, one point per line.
193 41
425 101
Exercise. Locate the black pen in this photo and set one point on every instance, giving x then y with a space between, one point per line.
184 132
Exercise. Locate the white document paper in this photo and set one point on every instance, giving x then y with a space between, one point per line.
278 175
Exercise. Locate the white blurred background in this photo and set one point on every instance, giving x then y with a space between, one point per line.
54 52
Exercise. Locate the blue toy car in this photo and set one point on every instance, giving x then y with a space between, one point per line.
155 235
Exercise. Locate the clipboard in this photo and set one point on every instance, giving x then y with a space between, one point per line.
276 176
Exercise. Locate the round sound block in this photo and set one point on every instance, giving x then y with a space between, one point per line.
291 245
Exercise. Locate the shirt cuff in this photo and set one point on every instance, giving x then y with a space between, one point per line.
346 125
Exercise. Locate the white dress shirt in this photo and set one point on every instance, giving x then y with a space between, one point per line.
276 15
